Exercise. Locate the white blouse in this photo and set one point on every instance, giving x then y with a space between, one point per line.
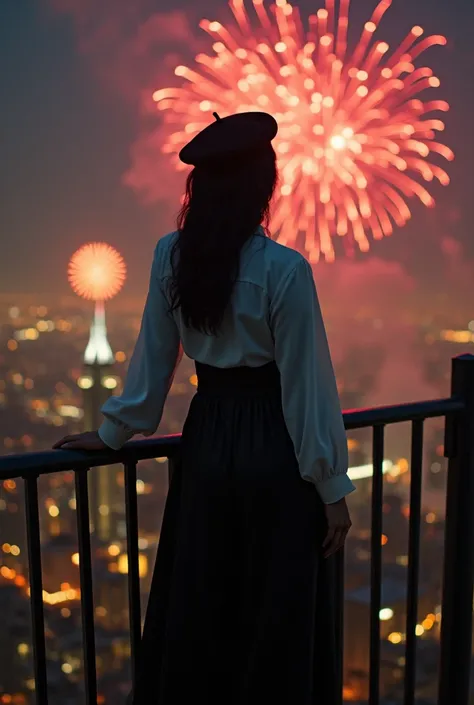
274 314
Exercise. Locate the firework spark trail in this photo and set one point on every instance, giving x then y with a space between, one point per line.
96 271
354 135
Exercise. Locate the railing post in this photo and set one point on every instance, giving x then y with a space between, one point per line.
456 616
339 604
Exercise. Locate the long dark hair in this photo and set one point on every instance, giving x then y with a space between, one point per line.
223 207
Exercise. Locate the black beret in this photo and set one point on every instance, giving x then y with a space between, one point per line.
233 136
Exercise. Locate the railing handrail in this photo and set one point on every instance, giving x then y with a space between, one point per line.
50 461
398 413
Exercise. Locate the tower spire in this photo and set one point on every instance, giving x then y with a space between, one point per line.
98 350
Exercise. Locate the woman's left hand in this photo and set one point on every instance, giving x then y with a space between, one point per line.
90 440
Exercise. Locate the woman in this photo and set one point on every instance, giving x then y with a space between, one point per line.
240 609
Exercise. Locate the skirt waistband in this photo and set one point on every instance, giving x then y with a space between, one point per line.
247 381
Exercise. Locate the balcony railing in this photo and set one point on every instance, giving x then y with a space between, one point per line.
456 624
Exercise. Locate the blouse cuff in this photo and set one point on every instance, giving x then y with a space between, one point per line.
334 488
113 435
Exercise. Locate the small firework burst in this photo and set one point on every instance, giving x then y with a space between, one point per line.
96 271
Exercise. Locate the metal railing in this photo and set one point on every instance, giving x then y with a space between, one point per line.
456 624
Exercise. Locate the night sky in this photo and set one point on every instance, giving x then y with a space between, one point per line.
75 77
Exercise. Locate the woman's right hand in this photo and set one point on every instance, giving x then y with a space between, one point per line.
339 523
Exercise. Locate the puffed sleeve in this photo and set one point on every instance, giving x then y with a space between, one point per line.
310 399
151 370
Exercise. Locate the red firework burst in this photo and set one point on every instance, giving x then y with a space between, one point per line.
354 136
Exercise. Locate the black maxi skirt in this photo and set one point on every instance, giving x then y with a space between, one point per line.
241 608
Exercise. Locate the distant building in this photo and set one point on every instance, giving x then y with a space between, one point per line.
97 272
97 383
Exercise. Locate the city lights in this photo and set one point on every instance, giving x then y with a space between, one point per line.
70 411
122 564
110 382
58 503
362 472
395 637
385 614
458 336
85 382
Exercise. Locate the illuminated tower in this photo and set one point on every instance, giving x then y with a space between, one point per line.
97 273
